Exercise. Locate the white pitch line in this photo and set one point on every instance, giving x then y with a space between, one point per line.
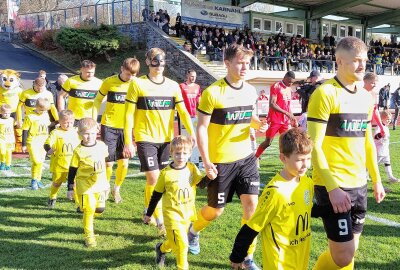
9 190
384 221
393 142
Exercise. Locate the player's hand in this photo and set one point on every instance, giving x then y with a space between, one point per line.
237 265
294 123
211 170
18 124
340 200
263 126
70 195
291 116
193 140
129 151
211 174
24 148
379 192
146 220
382 133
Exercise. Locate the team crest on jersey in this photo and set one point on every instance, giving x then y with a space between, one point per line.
307 197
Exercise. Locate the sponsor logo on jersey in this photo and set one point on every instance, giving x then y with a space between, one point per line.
232 115
347 125
84 94
8 130
98 166
30 102
156 103
302 223
67 148
42 129
116 97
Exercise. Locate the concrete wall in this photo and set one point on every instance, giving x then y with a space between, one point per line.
178 61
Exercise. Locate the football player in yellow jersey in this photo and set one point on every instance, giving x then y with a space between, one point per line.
27 100
60 145
177 187
150 107
112 121
226 113
34 134
7 139
87 173
339 116
81 90
283 214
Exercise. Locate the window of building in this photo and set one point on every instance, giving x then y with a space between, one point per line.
257 23
300 29
342 31
358 32
325 29
278 26
334 29
289 28
267 25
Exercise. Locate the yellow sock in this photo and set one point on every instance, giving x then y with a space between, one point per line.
148 191
201 223
252 247
8 157
53 192
37 171
120 173
109 172
88 219
325 262
76 199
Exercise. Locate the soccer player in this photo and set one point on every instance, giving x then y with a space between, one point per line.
150 107
177 187
226 112
339 116
283 214
82 90
279 115
112 121
28 99
382 145
60 145
370 80
191 92
88 172
7 139
34 134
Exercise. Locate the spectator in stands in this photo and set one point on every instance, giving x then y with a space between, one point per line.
145 14
165 26
157 20
196 46
332 41
178 24
186 47
326 40
378 63
210 50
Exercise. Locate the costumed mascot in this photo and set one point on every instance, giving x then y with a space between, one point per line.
10 91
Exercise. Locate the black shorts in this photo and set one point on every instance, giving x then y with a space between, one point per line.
240 176
114 139
340 227
153 156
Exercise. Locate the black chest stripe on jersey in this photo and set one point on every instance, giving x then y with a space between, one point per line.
232 115
30 103
156 103
116 97
347 125
81 93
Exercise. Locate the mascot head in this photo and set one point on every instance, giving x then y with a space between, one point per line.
9 79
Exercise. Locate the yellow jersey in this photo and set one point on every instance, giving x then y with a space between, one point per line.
155 109
231 111
7 132
283 218
28 99
341 120
64 143
179 192
91 174
115 89
81 95
37 127
10 97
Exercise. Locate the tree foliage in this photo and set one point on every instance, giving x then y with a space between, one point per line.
92 41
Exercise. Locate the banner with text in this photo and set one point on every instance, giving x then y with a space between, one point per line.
212 14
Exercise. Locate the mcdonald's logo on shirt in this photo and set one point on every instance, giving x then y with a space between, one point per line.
304 223
67 148
98 166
